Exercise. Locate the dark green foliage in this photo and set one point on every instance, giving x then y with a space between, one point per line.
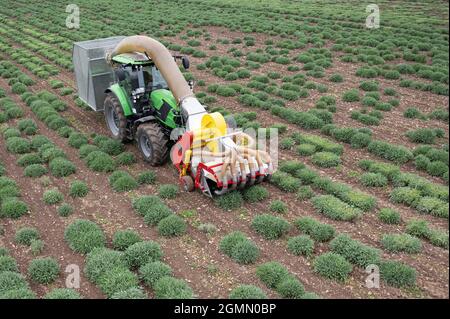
99 161
52 197
397 274
65 210
360 140
83 236
301 245
86 149
278 206
230 201
394 153
100 260
151 272
43 270
168 191
373 180
255 194
306 149
405 195
247 292
351 96
412 113
141 253
270 227
354 251
35 170
369 86
78 189
130 293
422 135
290 288
332 266
121 181
326 159
123 239
28 126
172 226
401 243
116 280
125 158
26 235
62 293
318 231
77 140
28 159
18 145
334 208
8 263
172 288
272 273
13 208
147 177
389 216
61 167
238 247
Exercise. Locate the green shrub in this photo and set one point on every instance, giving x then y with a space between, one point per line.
168 191
172 226
437 168
360 140
172 288
230 201
438 238
8 263
373 180
43 270
13 208
401 243
405 195
29 159
121 181
18 145
394 153
397 274
247 292
108 145
28 126
285 182
10 281
255 194
35 170
287 143
19 88
61 167
369 86
354 251
130 293
304 193
389 216
337 78
26 235
290 288
100 260
52 197
11 132
99 161
125 158
351 96
326 159
83 236
117 280
123 239
332 266
278 206
37 246
65 210
272 273
334 208
62 293
151 272
418 228
412 113
421 135
301 245
78 189
147 177
141 253
270 227
318 231
77 140
86 149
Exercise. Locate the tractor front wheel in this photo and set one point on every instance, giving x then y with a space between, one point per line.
152 143
115 118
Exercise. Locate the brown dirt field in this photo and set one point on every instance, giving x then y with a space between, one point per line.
195 256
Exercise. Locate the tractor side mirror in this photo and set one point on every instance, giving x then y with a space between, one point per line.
185 62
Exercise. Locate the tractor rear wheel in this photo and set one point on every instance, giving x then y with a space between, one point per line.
115 118
152 143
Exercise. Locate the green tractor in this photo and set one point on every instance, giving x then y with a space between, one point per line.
138 85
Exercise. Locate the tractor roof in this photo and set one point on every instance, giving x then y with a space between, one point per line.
135 58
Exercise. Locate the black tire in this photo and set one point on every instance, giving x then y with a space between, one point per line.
115 118
152 143
187 182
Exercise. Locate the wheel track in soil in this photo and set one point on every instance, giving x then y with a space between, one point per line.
82 112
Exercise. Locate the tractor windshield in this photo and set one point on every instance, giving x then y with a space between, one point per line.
158 79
